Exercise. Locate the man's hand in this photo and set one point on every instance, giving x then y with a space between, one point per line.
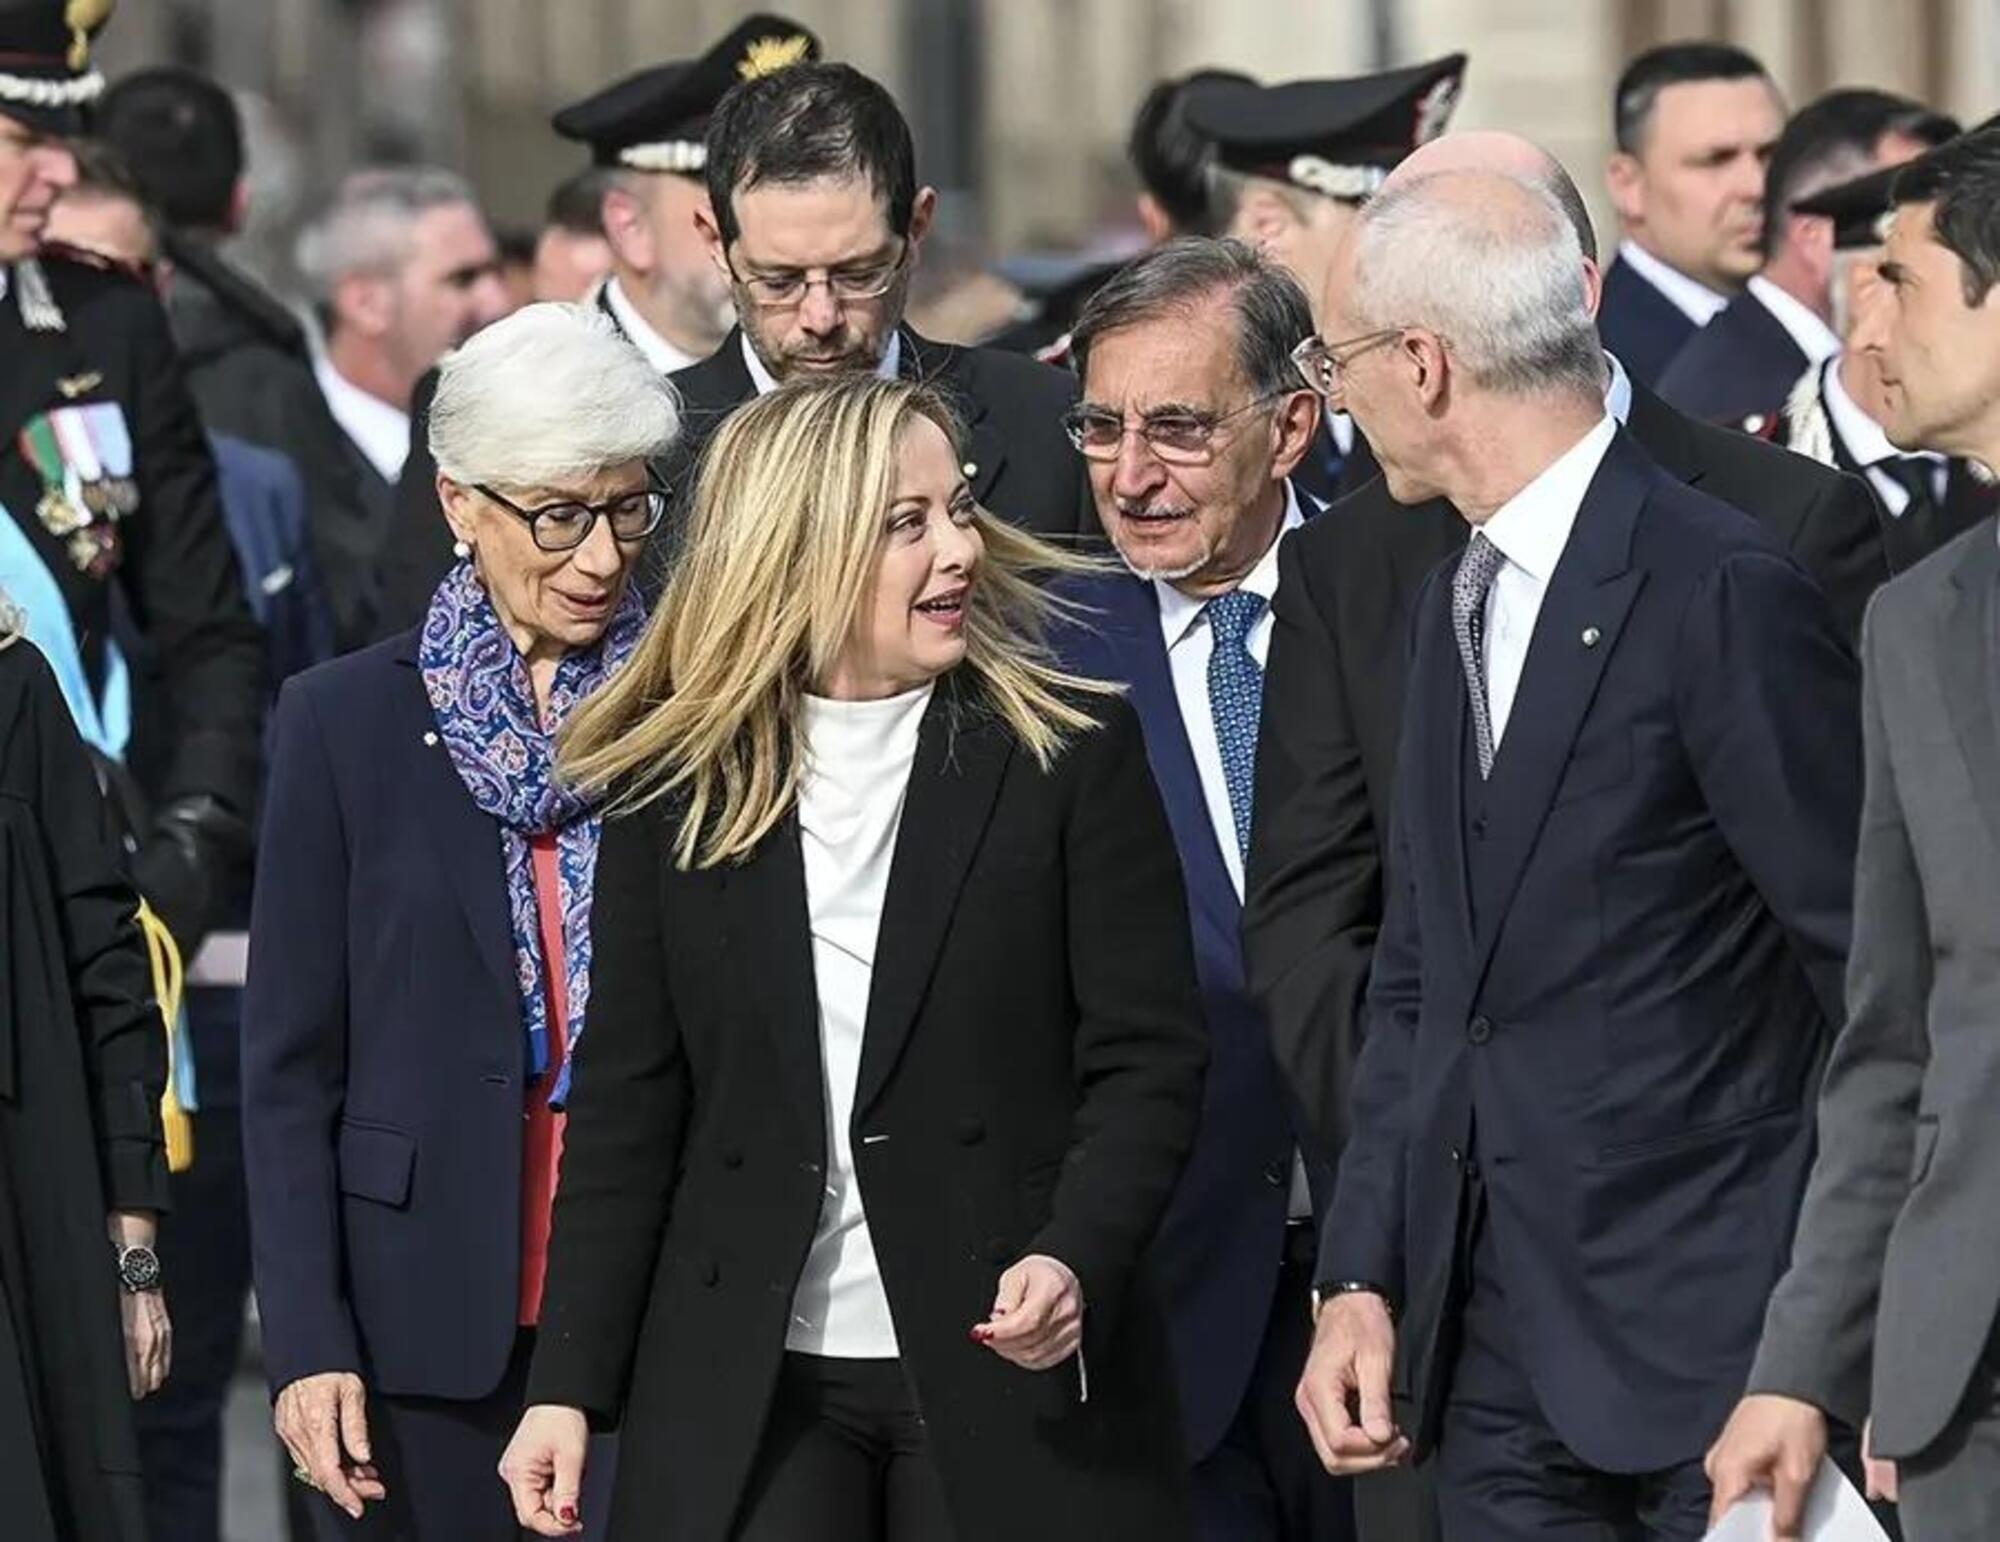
1769 1442
543 1469
1344 1394
323 1421
1037 1320
149 1341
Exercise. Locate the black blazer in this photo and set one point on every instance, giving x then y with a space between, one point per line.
383 1052
1610 972
1742 362
1030 1083
1333 698
1639 324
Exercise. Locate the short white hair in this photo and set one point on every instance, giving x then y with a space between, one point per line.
546 396
1492 264
370 225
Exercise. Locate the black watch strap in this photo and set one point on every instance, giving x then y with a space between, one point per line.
1326 1290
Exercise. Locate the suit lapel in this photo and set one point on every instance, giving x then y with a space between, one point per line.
1970 669
1663 434
769 929
947 368
961 757
1589 597
466 841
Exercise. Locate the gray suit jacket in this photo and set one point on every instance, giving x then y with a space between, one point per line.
1894 1255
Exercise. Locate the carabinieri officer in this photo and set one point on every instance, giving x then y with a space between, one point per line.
107 488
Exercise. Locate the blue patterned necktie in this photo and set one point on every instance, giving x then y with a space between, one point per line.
1235 697
1477 569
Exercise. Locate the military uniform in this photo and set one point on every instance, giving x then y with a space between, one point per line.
1336 139
112 538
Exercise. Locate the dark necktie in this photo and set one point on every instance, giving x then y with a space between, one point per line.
1235 698
1477 569
1917 476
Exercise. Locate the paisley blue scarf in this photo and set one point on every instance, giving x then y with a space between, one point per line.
478 686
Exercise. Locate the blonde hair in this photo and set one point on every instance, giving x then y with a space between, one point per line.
781 553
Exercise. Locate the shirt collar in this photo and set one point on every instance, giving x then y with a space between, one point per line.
379 430
1816 340
1532 527
1618 391
1179 612
765 382
1692 298
660 353
1865 439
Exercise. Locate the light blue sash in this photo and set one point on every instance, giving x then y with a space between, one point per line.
104 719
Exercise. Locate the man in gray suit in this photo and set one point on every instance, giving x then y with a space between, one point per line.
1889 1306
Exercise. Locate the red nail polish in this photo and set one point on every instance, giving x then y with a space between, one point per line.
568 1515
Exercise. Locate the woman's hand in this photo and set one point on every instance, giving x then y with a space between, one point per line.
543 1469
1037 1320
323 1421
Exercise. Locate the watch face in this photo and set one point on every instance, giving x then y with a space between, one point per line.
139 1269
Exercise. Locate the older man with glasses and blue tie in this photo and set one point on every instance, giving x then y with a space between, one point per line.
1192 423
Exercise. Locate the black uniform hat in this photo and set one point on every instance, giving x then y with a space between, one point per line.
1341 138
654 120
45 73
1859 208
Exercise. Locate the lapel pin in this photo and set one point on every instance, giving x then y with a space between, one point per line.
971 468
73 386
430 739
1592 637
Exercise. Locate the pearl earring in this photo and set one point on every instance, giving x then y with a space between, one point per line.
461 549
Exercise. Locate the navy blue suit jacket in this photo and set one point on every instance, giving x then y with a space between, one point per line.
1219 1248
264 505
1639 324
1743 361
383 1052
1609 973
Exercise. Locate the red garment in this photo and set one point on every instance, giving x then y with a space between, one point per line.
542 1139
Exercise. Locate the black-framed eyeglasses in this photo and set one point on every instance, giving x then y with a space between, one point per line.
1319 362
566 524
1177 436
787 289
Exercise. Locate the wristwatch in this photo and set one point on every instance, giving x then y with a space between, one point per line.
1326 1290
138 1270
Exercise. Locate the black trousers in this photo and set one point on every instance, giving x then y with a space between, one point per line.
440 1461
1264 1482
1505 1475
844 1459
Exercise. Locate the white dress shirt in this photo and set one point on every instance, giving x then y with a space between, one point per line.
857 771
1692 298
381 432
1189 644
1870 446
1816 340
766 382
661 354
1531 529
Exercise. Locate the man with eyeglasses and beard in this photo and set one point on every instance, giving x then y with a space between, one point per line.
816 216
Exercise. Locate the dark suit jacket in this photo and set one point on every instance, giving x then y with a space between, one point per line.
264 503
1030 1083
1741 362
1610 973
1221 1243
383 1054
1333 697
1639 324
416 549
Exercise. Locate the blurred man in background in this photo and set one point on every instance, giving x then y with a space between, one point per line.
1695 124
248 361
572 257
1755 348
401 268
1292 166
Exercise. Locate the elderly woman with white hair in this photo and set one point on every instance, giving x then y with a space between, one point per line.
420 947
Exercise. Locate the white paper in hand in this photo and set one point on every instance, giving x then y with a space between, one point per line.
1834 1513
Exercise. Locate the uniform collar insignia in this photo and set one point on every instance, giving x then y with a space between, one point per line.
73 386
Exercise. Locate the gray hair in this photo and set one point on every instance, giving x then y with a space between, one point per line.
545 396
1272 314
1492 264
369 225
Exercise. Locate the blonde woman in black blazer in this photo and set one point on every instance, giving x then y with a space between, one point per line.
895 1051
